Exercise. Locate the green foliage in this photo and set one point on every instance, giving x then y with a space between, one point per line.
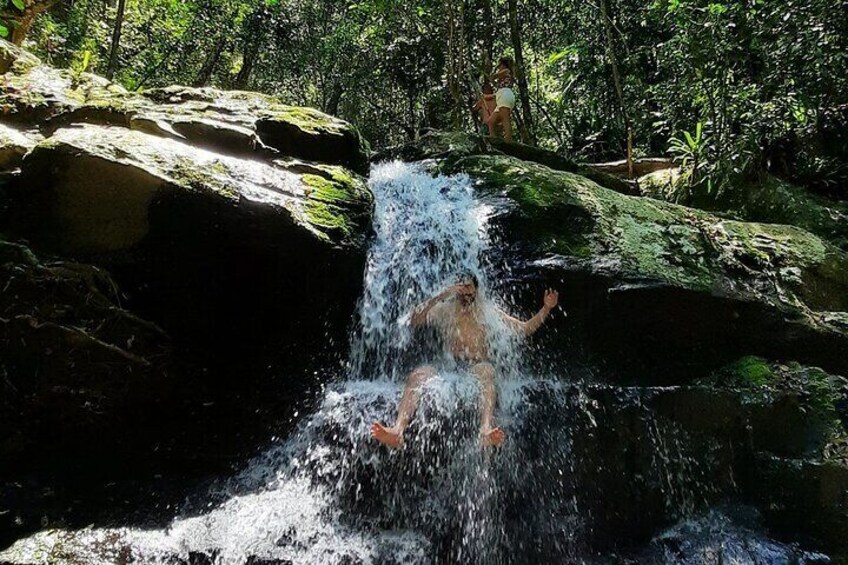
764 78
752 372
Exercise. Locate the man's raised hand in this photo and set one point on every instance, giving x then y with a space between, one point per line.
551 299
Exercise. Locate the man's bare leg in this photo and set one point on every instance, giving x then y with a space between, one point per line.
489 435
393 437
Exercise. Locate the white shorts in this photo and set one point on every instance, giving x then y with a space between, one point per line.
504 98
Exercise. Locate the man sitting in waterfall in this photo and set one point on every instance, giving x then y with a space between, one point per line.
459 319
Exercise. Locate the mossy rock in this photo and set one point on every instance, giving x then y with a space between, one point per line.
89 190
452 145
795 404
768 199
568 215
449 146
232 122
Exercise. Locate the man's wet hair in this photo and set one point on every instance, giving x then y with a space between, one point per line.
468 276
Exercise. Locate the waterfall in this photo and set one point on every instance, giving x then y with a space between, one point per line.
329 494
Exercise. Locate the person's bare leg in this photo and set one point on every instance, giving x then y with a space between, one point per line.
484 113
493 120
489 435
393 437
506 123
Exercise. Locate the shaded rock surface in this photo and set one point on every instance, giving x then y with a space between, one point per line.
235 227
69 352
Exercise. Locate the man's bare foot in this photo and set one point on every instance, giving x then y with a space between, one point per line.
387 436
494 437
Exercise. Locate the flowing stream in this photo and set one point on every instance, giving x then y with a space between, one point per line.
330 495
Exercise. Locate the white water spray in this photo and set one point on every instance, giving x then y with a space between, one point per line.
331 495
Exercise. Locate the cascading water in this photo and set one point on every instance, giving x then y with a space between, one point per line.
330 494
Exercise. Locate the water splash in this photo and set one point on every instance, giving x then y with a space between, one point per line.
330 495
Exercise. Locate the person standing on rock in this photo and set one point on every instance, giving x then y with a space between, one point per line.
504 99
460 320
485 107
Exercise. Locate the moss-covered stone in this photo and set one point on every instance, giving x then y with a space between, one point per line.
566 214
92 187
751 372
766 200
338 203
808 403
232 122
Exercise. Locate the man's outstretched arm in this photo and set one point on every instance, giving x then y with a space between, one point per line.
530 327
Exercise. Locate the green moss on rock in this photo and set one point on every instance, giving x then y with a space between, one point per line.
561 213
768 199
91 189
338 203
751 372
807 396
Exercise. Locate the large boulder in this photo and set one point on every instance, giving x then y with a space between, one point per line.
662 289
230 218
90 190
218 249
233 122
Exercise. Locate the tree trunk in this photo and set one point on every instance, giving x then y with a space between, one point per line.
453 73
254 38
249 58
335 99
487 40
205 74
116 39
524 93
21 23
616 77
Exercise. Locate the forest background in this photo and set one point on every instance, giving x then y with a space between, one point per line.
731 89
